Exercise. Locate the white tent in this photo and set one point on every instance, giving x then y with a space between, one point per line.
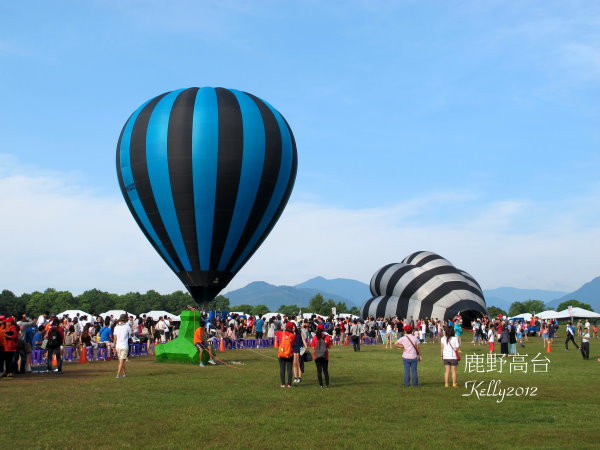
348 316
72 313
550 314
577 313
525 316
115 313
156 314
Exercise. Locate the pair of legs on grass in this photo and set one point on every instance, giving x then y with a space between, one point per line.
450 366
204 347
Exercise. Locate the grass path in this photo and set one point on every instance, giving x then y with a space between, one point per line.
180 406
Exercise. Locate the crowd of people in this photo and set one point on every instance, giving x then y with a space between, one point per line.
20 335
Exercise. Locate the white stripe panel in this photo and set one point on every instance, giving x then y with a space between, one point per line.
392 306
373 306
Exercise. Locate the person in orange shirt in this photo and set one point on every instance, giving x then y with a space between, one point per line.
202 345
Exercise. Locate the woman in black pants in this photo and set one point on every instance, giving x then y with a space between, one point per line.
321 344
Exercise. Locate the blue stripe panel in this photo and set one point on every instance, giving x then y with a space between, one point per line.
252 165
158 172
283 178
132 193
205 151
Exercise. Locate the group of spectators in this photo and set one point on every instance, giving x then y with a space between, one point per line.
20 335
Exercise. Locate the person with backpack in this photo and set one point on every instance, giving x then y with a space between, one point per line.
54 337
285 353
321 343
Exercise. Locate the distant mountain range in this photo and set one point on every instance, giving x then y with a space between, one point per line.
262 293
355 293
502 297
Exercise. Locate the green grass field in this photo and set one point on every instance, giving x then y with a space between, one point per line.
180 406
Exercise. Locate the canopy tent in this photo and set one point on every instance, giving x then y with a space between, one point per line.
347 316
309 315
550 314
578 313
525 316
156 314
72 313
115 313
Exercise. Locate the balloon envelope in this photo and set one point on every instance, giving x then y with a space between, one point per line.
206 173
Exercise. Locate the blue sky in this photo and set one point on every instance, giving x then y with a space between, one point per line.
465 128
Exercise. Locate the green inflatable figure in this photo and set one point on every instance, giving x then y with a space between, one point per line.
182 348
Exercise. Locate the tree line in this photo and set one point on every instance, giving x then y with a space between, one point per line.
95 301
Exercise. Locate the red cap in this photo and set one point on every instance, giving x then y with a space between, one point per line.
10 319
320 327
289 325
408 328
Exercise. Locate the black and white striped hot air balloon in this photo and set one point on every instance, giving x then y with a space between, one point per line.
424 285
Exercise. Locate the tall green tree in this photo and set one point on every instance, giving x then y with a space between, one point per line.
289 310
10 303
95 301
259 310
493 311
246 309
316 304
528 306
219 303
575 304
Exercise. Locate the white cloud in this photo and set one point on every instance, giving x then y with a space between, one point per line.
55 233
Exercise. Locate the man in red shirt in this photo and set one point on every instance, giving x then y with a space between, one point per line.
202 345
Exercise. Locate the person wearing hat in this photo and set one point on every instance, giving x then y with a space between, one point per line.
410 356
11 345
585 343
285 353
121 336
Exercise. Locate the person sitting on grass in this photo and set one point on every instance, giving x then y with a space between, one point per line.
202 345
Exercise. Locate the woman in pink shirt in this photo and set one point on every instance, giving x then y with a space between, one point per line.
410 356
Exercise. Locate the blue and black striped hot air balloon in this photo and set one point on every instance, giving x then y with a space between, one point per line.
206 173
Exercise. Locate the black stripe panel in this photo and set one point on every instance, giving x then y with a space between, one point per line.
380 311
268 180
470 278
427 259
229 167
464 305
409 258
284 200
442 291
366 306
179 154
402 308
141 178
412 287
375 286
389 289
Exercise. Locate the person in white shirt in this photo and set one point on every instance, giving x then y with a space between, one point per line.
449 354
42 319
121 335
